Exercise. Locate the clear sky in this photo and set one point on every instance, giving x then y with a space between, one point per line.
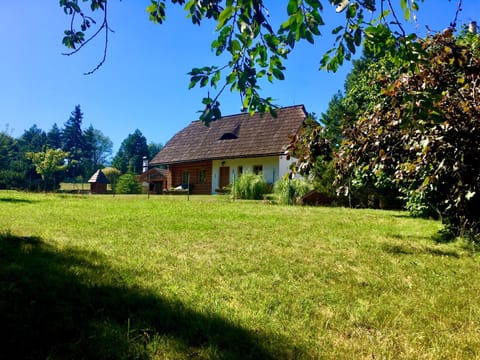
144 82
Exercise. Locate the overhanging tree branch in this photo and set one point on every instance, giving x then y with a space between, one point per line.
257 50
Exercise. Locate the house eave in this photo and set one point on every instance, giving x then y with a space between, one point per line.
213 158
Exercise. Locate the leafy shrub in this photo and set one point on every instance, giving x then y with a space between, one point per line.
128 184
289 191
419 205
250 187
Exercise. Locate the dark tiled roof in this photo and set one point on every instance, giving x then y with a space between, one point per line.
98 177
233 136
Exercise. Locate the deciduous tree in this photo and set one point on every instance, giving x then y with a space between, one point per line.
423 133
47 164
98 148
112 174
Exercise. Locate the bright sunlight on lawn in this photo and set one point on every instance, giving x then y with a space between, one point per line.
129 277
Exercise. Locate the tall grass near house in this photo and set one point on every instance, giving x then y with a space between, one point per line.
289 191
250 187
131 277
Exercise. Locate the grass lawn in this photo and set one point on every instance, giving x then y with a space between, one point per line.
106 277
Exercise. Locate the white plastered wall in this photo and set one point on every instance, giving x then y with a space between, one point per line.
284 166
272 168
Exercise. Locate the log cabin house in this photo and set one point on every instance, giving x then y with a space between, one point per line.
207 159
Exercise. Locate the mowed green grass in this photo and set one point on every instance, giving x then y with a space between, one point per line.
170 278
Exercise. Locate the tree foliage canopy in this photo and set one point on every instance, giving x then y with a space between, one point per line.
90 147
48 163
415 129
256 50
423 132
131 152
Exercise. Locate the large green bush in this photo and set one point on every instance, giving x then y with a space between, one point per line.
250 187
289 191
128 184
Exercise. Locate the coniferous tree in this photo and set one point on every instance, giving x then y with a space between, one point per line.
73 142
54 137
332 120
33 139
131 153
153 149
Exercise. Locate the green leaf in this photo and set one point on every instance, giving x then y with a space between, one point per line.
235 46
278 74
193 81
224 16
207 101
357 37
151 8
351 11
286 24
337 30
215 79
292 7
231 78
190 4
314 4
350 44
309 37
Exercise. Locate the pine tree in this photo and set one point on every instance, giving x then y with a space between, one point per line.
54 137
73 142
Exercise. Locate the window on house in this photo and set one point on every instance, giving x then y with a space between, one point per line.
202 176
240 170
185 177
257 169
231 135
228 136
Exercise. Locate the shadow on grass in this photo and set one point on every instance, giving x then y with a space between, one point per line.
70 305
15 200
409 250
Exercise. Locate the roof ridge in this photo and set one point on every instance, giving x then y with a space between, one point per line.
251 135
256 113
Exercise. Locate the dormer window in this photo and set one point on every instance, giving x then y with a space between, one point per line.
231 135
228 136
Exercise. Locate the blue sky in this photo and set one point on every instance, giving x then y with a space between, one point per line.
144 82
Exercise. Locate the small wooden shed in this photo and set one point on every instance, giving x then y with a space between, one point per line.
154 181
98 183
